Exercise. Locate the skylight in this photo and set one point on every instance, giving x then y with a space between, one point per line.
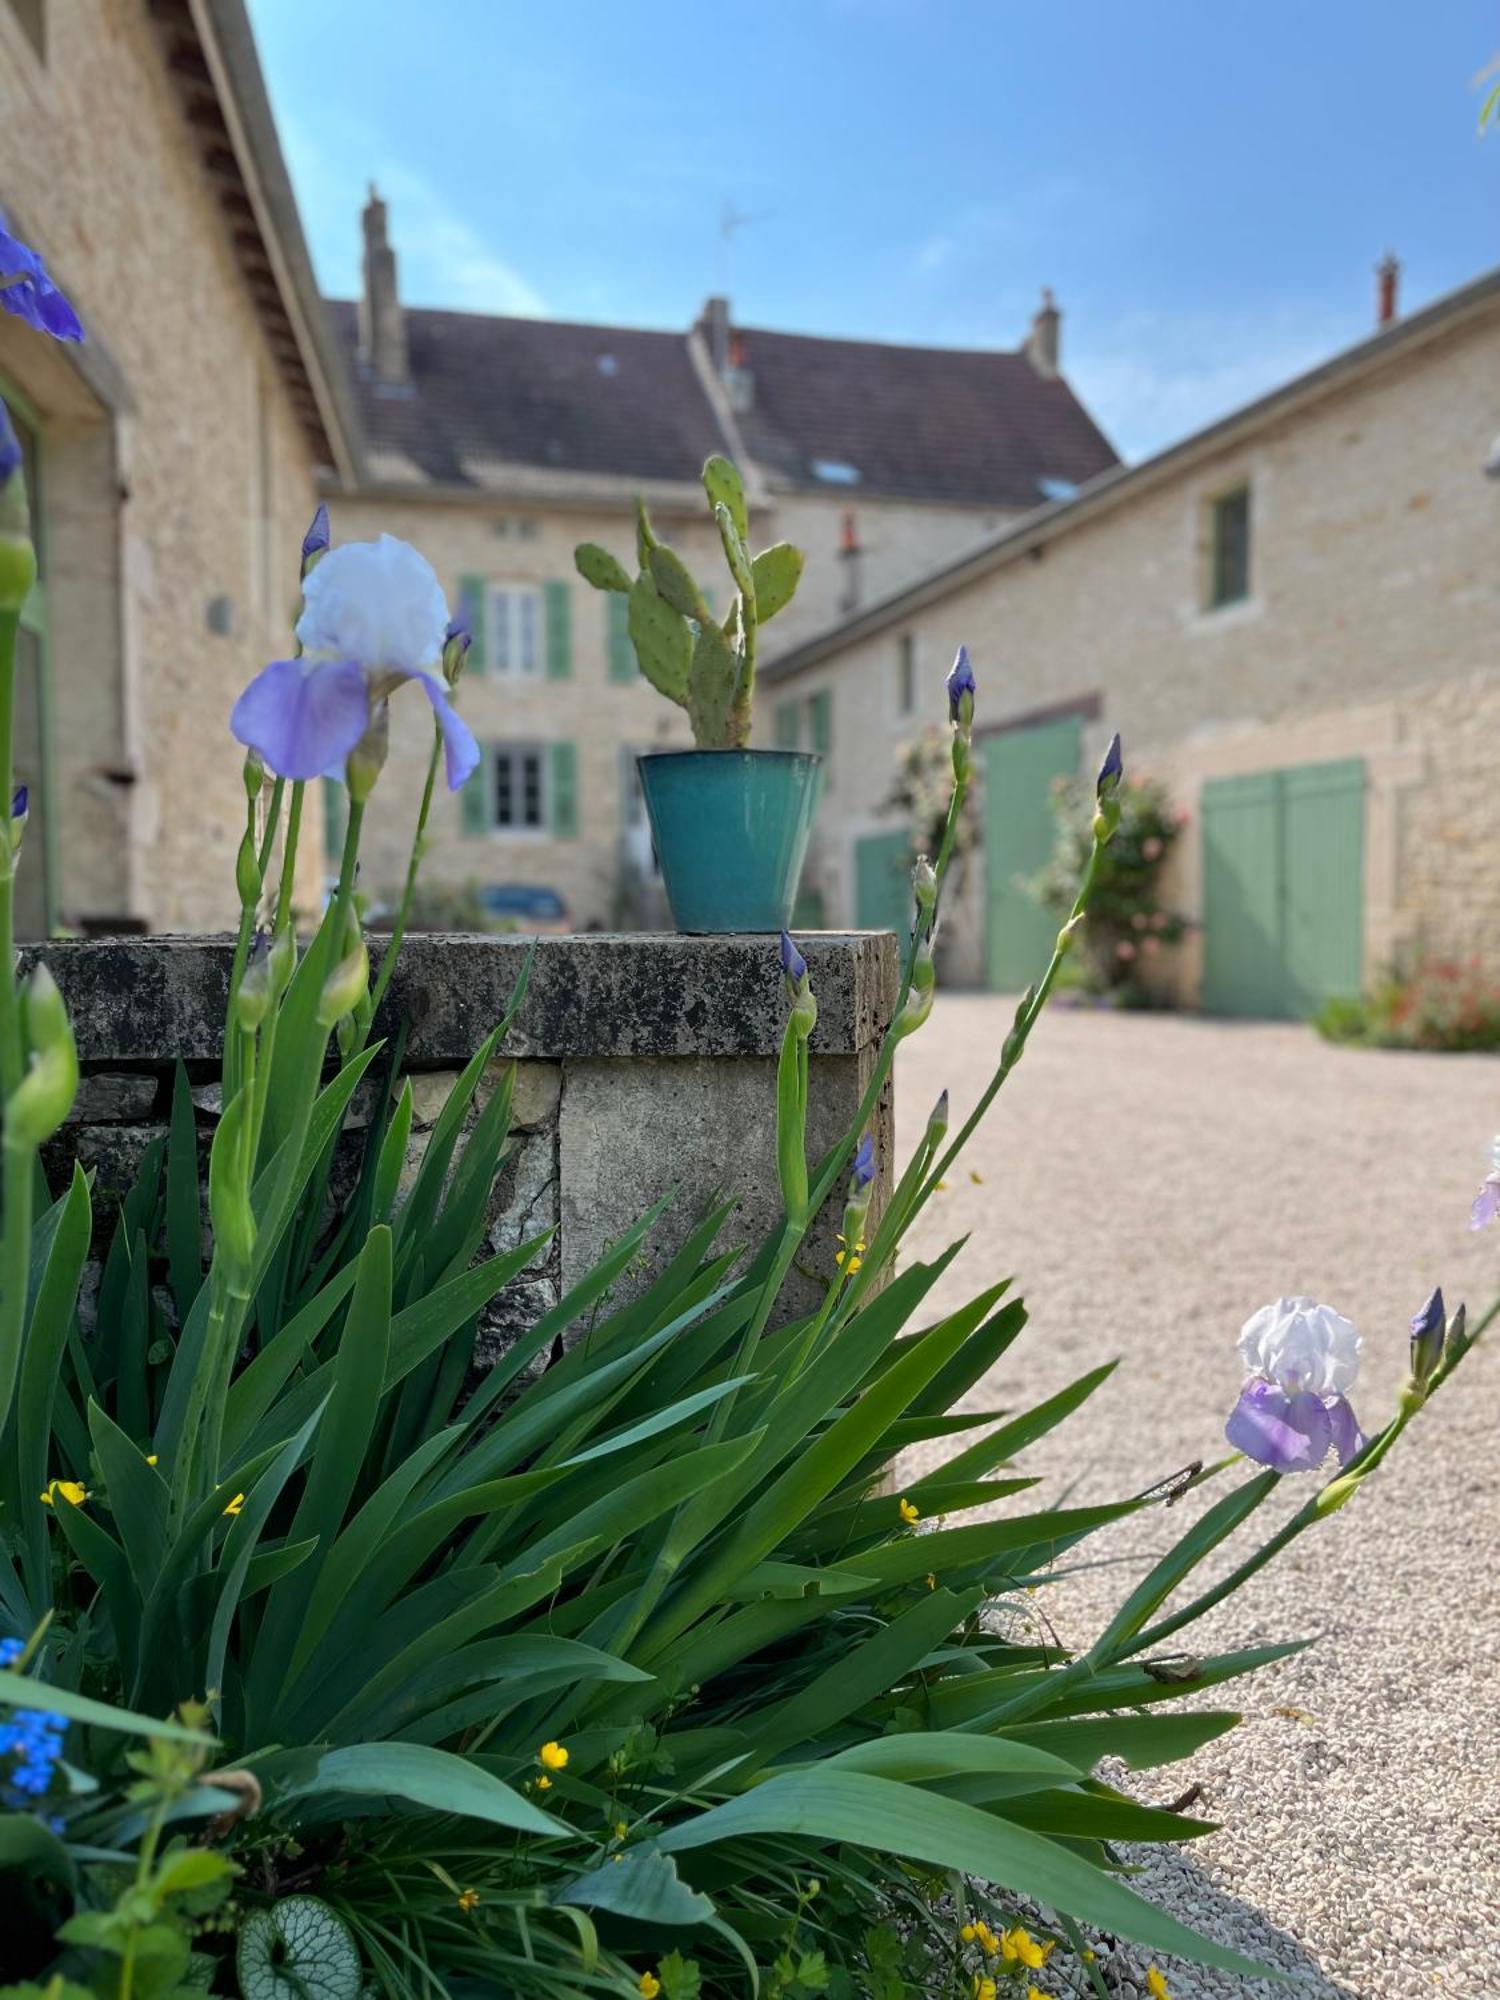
835 472
1058 489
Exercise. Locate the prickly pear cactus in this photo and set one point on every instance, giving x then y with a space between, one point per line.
706 666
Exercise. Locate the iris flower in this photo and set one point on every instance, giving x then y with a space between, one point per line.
960 682
1487 1201
1300 1358
373 617
29 293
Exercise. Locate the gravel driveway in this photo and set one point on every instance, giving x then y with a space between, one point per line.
1150 1181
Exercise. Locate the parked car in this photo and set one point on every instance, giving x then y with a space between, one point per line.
523 906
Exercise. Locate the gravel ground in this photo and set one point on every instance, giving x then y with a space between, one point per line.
1151 1181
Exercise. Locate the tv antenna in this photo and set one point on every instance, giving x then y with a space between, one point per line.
731 221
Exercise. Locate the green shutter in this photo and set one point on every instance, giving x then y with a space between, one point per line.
622 665
562 789
474 801
820 721
559 631
334 821
471 596
785 722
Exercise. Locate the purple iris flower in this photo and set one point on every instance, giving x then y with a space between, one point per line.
960 682
10 445
315 542
864 1163
1428 1329
373 617
1111 770
1300 1357
1487 1201
793 964
28 292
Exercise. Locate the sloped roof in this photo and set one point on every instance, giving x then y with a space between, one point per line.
921 423
489 397
489 393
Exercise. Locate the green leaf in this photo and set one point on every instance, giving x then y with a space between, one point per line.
598 567
22 1692
663 640
1024 1430
777 571
644 1886
28 1847
41 1364
677 585
184 1217
725 488
1162 1579
1139 1741
435 1779
917 1755
299 1949
884 1817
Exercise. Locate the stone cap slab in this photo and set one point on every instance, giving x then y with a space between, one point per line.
146 1000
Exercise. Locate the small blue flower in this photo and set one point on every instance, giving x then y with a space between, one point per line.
318 536
960 684
1111 770
793 964
20 801
29 293
1428 1330
864 1163
11 1649
10 444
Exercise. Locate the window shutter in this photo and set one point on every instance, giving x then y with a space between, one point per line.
562 789
785 725
622 665
559 631
820 721
475 801
471 599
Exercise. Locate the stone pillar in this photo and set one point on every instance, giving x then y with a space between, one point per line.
645 1063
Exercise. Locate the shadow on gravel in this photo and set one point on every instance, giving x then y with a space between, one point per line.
1175 1881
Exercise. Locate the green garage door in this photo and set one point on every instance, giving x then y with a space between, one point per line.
1283 889
882 883
1020 766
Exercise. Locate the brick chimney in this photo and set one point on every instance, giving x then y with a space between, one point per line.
1044 342
713 324
382 324
1387 288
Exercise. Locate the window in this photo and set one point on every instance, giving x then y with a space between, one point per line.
1229 548
515 633
787 723
518 790
906 674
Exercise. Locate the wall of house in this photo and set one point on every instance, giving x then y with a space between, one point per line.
176 483
1372 627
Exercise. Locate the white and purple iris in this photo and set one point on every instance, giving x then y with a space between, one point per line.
1487 1201
373 616
1301 1359
28 292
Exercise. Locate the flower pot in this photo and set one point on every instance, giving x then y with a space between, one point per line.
731 830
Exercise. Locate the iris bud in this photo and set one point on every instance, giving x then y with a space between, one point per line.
367 758
345 986
922 991
247 872
44 1096
20 806
315 542
1067 937
17 555
456 646
924 883
252 999
1111 770
961 691
1428 1331
254 775
283 961
937 1121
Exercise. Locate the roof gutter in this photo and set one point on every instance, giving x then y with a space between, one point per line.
1124 483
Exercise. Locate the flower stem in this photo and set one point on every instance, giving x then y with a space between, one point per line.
12 1061
289 858
403 910
15 1266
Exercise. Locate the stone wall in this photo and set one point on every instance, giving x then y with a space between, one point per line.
643 1064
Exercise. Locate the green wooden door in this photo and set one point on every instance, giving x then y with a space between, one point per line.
882 883
1283 890
1020 768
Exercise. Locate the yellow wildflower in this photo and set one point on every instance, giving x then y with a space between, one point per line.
469 1900
968 1933
544 1783
151 1458
909 1514
70 1490
235 1504
552 1757
1156 1986
1088 1956
931 1581
941 1187
621 1829
984 1989
648 1986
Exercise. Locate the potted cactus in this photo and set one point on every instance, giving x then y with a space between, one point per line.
731 824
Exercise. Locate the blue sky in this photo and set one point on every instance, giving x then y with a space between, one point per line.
1208 204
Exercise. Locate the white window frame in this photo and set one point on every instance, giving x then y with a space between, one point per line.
516 634
513 753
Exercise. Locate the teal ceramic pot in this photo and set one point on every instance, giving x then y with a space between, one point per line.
731 830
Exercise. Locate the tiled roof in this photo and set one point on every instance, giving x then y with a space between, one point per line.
489 397
924 423
488 394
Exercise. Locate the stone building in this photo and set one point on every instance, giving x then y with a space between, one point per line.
1292 616
175 454
497 444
